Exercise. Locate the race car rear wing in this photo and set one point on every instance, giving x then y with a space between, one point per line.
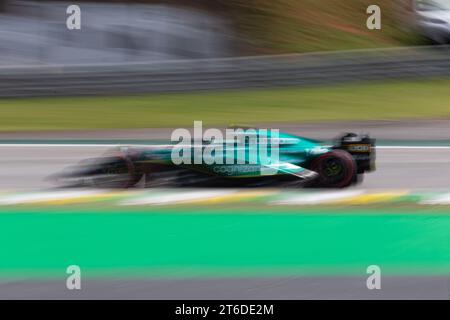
361 147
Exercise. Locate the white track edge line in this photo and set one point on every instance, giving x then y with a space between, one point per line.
166 146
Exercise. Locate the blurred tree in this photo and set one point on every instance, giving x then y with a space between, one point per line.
316 25
282 26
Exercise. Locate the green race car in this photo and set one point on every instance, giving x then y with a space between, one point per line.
251 157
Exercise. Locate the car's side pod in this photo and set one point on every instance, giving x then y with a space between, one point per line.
361 147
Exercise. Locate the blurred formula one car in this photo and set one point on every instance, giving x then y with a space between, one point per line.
299 162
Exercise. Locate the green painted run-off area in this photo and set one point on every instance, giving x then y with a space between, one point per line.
166 243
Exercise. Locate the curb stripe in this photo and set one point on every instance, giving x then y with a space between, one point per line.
43 197
235 197
174 197
317 198
98 197
274 197
374 198
441 199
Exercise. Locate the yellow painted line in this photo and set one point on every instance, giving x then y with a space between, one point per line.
235 197
89 198
174 197
39 197
373 198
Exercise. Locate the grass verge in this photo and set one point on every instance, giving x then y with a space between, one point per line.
387 100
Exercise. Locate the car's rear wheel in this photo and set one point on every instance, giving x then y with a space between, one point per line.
336 169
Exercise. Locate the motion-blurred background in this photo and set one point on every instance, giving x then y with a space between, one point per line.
32 32
137 70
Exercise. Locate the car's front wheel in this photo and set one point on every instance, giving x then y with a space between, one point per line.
116 172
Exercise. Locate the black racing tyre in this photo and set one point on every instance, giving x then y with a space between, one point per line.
116 172
336 169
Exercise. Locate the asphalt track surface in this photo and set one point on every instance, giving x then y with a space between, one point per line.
409 167
290 288
406 130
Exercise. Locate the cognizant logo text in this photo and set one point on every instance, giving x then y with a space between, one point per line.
238 147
